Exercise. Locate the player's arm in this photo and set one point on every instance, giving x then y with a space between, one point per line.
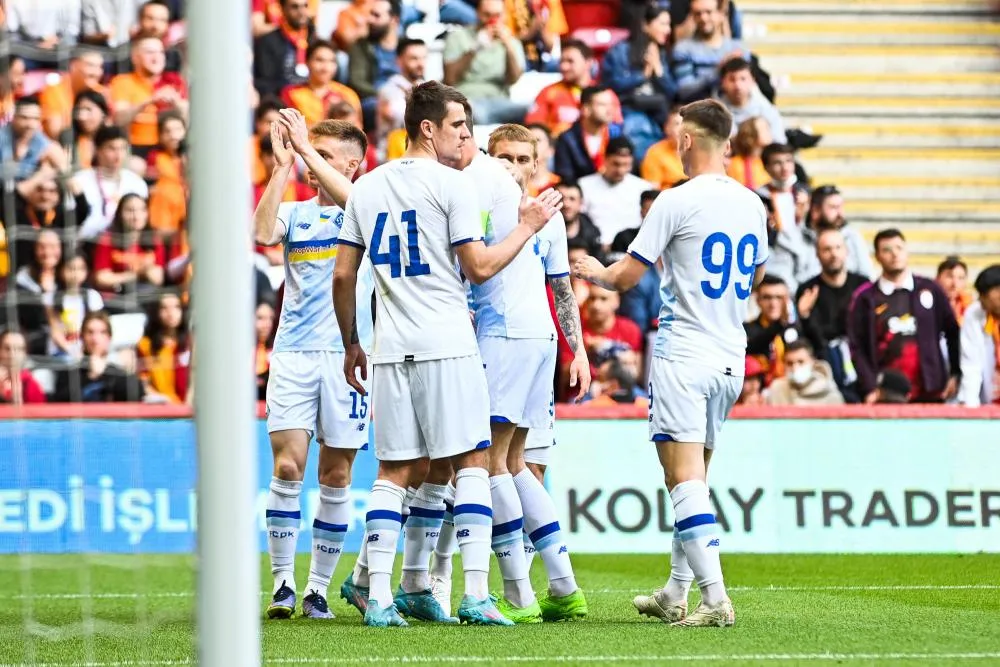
268 230
345 283
621 276
480 262
568 315
332 181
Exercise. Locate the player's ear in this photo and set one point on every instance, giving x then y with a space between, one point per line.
427 129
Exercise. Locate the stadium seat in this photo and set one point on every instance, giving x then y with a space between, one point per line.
591 13
526 89
126 330
600 39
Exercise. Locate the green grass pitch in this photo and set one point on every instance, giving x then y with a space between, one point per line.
843 610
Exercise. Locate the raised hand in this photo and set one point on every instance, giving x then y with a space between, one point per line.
295 125
283 155
588 268
538 211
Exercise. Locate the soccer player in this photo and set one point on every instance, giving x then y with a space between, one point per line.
711 233
517 340
306 392
413 216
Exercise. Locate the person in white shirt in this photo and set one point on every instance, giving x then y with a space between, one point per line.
611 197
306 391
411 57
980 343
414 217
517 339
711 234
109 181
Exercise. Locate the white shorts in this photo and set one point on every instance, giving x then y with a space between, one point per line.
538 446
437 408
307 390
689 402
520 373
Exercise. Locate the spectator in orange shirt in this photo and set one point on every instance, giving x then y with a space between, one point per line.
557 106
953 278
164 161
140 95
11 85
86 68
746 165
265 15
265 343
129 258
538 24
265 113
662 166
165 353
543 178
90 113
314 97
168 169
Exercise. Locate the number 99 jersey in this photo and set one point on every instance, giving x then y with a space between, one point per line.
409 215
712 235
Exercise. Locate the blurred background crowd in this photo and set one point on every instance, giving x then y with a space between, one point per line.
94 256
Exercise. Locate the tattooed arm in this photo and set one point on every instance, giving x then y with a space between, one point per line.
568 314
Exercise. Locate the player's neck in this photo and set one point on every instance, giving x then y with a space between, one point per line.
324 199
705 163
418 150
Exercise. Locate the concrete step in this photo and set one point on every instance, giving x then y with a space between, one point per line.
931 189
841 29
922 84
878 59
878 7
873 163
875 133
889 105
943 211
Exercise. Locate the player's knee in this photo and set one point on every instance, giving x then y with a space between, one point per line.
474 459
439 471
681 474
419 472
288 469
338 477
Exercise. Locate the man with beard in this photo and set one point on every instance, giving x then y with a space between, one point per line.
826 209
279 57
822 304
697 59
411 59
373 58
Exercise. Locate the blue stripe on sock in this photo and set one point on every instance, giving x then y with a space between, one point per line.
388 515
282 522
699 531
509 527
544 531
329 535
677 533
426 513
332 527
283 513
692 521
472 508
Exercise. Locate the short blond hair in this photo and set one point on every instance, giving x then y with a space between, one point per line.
512 132
341 130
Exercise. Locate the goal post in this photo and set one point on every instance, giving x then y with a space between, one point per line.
228 544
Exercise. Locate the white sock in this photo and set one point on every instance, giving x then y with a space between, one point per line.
411 493
446 544
282 517
474 524
423 527
360 574
508 541
541 527
383 521
681 576
694 520
329 532
529 548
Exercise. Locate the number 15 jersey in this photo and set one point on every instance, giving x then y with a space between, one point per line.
410 215
712 234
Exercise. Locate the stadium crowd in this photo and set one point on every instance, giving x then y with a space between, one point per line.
94 251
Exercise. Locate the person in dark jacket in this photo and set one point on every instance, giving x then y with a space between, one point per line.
279 57
639 71
898 323
580 149
95 379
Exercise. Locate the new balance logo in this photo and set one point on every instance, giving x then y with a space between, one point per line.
713 543
462 533
372 538
303 225
361 427
563 550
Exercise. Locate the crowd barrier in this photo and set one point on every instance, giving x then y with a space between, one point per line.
121 478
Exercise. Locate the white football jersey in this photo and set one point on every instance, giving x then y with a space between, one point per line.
551 247
513 303
307 320
712 235
410 214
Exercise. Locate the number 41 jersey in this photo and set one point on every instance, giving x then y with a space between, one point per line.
410 215
712 234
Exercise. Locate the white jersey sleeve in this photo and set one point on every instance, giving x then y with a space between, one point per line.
656 231
350 233
464 218
554 247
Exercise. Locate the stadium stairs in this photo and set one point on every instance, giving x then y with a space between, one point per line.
907 96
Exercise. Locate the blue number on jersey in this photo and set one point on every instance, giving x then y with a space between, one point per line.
414 266
355 414
724 268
